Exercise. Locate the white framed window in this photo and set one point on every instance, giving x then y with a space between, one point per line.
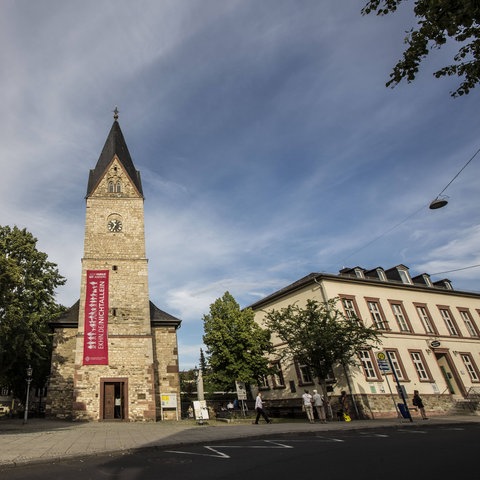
111 187
305 374
428 281
405 277
425 318
278 379
470 366
118 187
467 320
449 322
377 316
263 382
349 307
400 317
395 363
368 365
419 365
359 273
381 275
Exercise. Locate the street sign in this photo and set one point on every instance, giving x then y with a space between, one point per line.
383 365
241 390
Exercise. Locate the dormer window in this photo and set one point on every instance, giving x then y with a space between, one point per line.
405 277
381 275
427 280
359 273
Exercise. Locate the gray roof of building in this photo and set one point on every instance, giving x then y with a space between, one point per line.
114 145
313 277
158 318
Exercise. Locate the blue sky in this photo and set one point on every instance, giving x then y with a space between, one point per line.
268 143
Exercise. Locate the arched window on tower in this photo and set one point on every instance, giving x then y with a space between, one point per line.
111 188
119 187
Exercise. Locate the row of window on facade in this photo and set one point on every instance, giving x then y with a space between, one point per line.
380 321
371 370
417 358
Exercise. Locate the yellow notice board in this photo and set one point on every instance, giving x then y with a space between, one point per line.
168 401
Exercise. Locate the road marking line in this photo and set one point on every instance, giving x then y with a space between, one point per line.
219 454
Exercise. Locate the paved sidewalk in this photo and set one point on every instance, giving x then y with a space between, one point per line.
43 440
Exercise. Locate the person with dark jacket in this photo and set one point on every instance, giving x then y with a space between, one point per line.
418 402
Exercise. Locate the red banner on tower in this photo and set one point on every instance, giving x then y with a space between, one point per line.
95 338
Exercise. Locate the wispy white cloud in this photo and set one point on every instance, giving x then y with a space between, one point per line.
268 144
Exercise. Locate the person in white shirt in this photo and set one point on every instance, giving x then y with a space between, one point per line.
318 403
307 405
259 409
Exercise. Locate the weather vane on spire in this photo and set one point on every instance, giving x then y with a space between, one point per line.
115 113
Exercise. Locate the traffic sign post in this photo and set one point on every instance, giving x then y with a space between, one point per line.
383 358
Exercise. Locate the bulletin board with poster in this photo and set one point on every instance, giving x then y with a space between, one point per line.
168 401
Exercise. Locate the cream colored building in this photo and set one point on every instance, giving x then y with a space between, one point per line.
430 331
115 353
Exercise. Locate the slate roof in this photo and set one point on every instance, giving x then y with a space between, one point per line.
114 145
158 318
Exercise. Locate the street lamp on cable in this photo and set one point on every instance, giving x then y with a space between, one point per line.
439 202
29 381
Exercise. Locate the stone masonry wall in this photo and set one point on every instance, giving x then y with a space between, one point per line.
129 357
167 378
60 390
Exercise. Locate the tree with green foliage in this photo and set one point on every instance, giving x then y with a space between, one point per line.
438 22
320 336
237 347
27 303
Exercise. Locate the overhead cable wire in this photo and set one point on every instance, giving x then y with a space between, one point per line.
461 170
414 213
386 232
456 270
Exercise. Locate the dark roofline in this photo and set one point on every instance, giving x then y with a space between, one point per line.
114 145
158 318
313 278
68 319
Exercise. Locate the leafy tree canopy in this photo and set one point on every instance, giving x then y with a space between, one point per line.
320 336
438 21
237 347
27 303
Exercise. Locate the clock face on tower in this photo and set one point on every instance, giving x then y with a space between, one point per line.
114 226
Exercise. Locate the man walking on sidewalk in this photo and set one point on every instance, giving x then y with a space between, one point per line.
307 405
259 409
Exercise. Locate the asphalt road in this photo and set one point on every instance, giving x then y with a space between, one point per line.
427 452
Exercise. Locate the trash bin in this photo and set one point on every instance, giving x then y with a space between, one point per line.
403 410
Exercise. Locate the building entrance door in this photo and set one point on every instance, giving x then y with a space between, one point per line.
454 384
113 400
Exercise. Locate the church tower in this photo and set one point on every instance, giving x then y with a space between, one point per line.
115 352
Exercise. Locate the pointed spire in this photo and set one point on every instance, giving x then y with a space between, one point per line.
114 145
